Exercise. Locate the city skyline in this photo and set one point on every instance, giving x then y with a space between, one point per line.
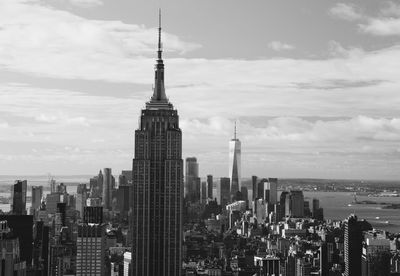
321 101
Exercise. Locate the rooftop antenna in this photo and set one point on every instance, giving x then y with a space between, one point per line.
235 131
159 34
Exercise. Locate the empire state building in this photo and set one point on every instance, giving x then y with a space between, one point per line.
157 192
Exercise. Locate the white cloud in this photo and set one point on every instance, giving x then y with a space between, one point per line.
60 44
382 26
86 3
345 11
280 46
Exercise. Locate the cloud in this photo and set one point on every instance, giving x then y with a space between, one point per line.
386 23
382 26
391 9
73 46
86 3
280 46
346 12
62 118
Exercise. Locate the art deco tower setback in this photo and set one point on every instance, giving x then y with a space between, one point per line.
235 164
157 193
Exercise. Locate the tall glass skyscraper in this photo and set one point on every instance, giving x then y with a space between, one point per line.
235 169
157 192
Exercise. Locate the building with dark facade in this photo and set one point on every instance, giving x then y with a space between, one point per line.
10 262
192 180
37 194
353 239
157 190
210 186
22 228
107 188
18 194
224 191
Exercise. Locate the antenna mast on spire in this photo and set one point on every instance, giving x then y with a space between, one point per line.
235 131
159 34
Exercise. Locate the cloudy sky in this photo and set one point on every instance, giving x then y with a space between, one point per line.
313 84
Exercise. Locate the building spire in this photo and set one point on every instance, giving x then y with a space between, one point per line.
159 99
234 133
159 36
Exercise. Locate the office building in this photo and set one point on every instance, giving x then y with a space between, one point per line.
81 196
125 178
224 191
22 228
37 194
375 258
353 244
296 204
157 193
254 186
93 214
10 262
91 249
192 189
18 194
203 192
107 188
235 164
282 204
272 186
210 186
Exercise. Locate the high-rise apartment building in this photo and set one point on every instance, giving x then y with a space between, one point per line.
235 168
157 191
18 194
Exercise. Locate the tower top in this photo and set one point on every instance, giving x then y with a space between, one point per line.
159 99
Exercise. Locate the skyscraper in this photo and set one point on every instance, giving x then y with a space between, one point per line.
270 191
223 191
192 192
91 248
18 194
157 191
37 194
254 186
107 188
353 237
210 186
235 164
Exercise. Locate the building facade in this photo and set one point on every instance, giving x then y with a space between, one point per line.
91 249
157 186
